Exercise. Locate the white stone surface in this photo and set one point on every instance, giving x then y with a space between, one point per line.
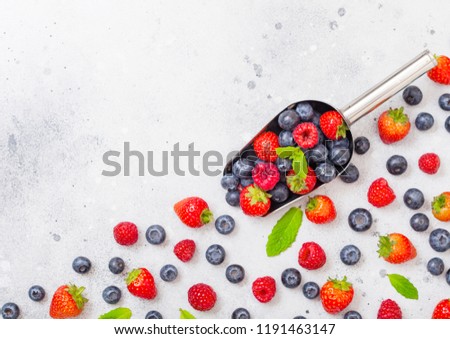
79 79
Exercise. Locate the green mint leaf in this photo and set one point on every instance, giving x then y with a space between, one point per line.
117 313
299 164
185 314
286 152
284 232
403 286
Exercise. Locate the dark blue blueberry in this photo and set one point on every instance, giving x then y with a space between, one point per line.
285 138
168 273
362 145
246 182
447 124
229 182
352 315
413 198
412 95
116 265
439 240
299 317
316 120
350 255
225 224
235 273
424 121
325 172
311 290
10 311
81 265
233 198
283 165
242 168
112 294
419 222
240 313
36 293
321 136
155 234
350 174
317 154
447 276
341 143
396 165
215 254
304 111
153 315
280 192
360 220
288 120
444 101
435 266
291 278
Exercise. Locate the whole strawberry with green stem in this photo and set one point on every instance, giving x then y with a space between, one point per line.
320 209
67 302
440 207
441 72
300 184
393 125
336 295
333 125
254 201
193 212
141 284
396 248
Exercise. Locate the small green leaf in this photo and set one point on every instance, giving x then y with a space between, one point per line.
403 286
300 164
185 314
286 152
284 232
118 313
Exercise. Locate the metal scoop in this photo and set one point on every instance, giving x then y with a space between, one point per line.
351 113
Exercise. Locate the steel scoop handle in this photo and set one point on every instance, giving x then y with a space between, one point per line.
384 90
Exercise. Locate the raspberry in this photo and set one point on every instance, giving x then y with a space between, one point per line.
429 163
265 175
311 256
306 135
125 233
184 250
389 310
380 194
202 297
264 289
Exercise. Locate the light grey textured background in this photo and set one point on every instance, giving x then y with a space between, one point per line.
79 79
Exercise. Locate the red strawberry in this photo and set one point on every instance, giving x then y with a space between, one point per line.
389 309
333 125
440 207
442 310
184 250
265 175
393 125
396 248
429 163
125 233
441 72
67 302
320 209
264 289
306 135
380 194
254 201
202 297
141 284
311 256
193 212
265 146
336 295
298 185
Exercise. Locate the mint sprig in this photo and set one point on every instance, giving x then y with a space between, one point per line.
299 163
117 313
185 314
284 232
403 286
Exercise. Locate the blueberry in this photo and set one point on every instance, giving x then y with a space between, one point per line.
153 315
424 121
291 278
413 198
81 265
229 182
243 167
225 224
311 290
325 172
304 111
352 315
280 192
112 294
444 101
360 220
240 313
419 222
283 165
246 182
235 273
341 143
435 266
168 273
215 254
321 136
316 120
350 255
10 311
362 145
155 234
116 265
447 124
447 276
288 120
396 165
233 198
285 138
350 174
412 95
439 240
317 154
36 293
299 317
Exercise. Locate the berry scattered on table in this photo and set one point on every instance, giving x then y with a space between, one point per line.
442 310
141 284
235 273
447 276
429 163
125 233
311 290
168 273
116 265
389 309
440 206
412 95
380 194
444 101
396 165
396 248
362 145
439 240
36 293
413 198
441 72
184 250
10 311
153 315
202 297
81 265
215 254
419 222
360 220
67 302
336 295
393 125
264 289
240 313
350 174
352 315
350 255
424 121
320 209
112 294
193 212
447 124
291 278
225 224
155 234
311 256
435 266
